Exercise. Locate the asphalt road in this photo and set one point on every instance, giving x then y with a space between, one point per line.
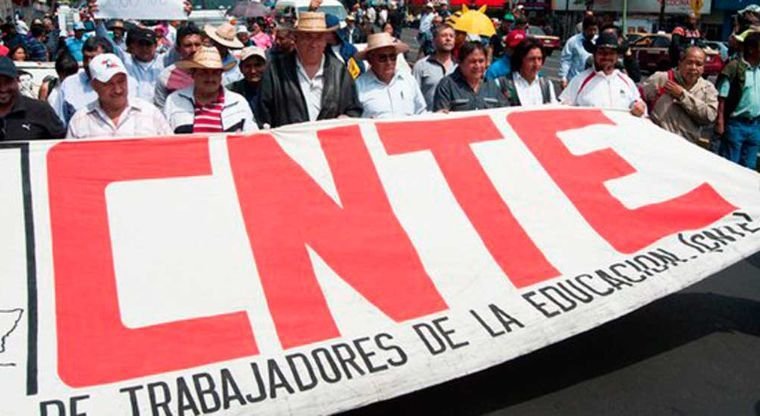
691 353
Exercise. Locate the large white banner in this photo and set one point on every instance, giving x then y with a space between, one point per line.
141 9
325 266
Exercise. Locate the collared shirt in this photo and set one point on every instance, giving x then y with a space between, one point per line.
233 74
262 40
573 57
30 119
596 89
530 93
170 80
749 103
311 88
428 73
139 118
426 23
76 92
685 115
37 50
75 47
455 94
400 97
208 117
499 68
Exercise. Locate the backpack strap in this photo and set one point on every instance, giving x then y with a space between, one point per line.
508 90
545 91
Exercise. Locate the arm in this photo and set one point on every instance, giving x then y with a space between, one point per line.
631 65
442 100
420 106
565 61
352 107
100 30
720 122
57 129
266 100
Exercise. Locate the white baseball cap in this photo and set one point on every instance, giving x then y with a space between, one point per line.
104 66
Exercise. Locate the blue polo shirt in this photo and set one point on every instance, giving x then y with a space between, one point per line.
749 103
499 68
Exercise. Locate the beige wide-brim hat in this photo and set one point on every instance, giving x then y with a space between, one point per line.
313 22
205 58
224 34
382 40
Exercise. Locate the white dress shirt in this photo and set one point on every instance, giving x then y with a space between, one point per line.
596 89
400 97
312 88
140 118
530 93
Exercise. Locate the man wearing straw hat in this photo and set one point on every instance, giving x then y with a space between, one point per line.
207 107
224 38
384 91
309 84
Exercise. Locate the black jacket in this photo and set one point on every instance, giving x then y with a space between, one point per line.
281 101
31 119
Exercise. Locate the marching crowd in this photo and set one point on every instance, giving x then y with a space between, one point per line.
164 80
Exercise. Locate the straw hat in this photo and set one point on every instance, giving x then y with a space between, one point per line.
205 58
224 35
382 40
313 22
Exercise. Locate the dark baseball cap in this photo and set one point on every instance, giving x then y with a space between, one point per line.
607 40
8 68
139 34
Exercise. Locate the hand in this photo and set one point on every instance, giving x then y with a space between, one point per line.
563 83
638 109
675 90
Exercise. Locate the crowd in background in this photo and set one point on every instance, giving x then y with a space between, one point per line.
163 78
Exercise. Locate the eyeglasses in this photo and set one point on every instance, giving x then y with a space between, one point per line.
386 57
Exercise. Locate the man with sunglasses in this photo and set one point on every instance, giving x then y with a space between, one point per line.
384 91
23 118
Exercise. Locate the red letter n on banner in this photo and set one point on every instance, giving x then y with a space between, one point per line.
94 346
582 179
285 210
450 142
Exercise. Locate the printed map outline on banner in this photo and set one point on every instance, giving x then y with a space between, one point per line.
433 188
9 320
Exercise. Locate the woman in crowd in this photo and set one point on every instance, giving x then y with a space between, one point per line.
18 53
466 89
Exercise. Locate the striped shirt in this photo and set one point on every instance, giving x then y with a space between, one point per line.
208 117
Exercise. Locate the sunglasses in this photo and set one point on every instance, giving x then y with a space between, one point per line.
386 57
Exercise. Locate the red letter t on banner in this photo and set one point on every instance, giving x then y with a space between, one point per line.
450 141
94 346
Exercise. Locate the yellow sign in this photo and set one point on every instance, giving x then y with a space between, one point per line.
696 6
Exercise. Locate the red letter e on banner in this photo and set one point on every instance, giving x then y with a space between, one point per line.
582 179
